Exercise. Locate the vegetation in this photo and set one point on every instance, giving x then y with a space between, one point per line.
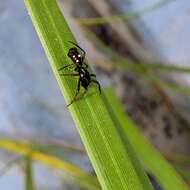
119 153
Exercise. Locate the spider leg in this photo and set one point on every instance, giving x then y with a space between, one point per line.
78 89
86 66
96 82
92 75
66 66
69 74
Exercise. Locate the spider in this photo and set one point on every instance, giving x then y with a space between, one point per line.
81 70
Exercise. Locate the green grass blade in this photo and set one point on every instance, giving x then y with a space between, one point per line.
111 161
53 149
128 64
140 69
183 171
179 158
151 158
50 160
29 184
177 88
125 17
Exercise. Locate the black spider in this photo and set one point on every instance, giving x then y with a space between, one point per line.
85 78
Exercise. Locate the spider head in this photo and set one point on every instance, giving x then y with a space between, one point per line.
73 52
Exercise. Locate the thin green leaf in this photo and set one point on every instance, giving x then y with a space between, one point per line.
53 149
141 69
112 163
128 64
26 150
182 164
183 171
151 158
50 150
172 86
29 183
180 158
126 17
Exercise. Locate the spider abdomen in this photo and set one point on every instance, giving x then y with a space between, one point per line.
85 78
